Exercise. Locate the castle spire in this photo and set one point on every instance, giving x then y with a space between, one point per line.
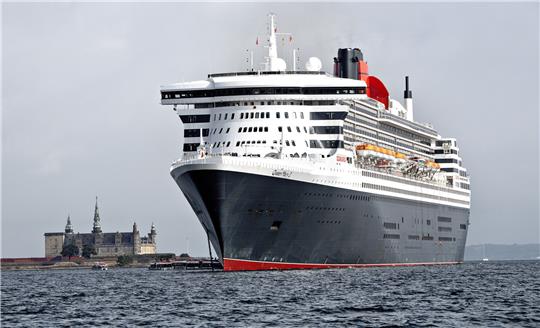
97 219
69 227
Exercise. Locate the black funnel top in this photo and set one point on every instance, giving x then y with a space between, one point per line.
408 93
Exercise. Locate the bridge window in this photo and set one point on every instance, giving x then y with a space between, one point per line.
190 146
328 115
326 130
190 133
195 118
326 143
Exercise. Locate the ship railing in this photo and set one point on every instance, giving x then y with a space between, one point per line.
303 165
267 73
299 164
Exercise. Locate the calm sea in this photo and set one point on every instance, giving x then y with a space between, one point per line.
489 294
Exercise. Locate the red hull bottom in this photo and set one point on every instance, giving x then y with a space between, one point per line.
247 265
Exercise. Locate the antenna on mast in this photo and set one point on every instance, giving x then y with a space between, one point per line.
273 62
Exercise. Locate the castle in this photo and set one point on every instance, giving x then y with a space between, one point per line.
104 244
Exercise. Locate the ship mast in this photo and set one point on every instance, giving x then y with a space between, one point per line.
273 62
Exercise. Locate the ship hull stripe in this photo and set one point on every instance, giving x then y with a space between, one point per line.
249 265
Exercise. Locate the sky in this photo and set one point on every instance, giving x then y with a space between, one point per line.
81 113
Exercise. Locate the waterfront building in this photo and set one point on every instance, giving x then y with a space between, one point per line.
104 243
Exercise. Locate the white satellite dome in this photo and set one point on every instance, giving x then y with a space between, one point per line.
277 64
313 64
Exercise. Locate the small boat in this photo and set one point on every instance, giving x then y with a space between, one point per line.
484 257
100 266
161 266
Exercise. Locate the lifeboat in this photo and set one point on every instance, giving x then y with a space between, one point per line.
367 151
375 152
400 158
432 166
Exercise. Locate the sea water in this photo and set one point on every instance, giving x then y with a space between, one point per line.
486 294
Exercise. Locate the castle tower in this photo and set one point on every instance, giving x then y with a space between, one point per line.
136 239
69 227
152 234
97 220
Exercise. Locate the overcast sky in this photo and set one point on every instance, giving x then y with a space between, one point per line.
81 112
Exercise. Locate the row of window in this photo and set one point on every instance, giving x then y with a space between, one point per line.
447 151
444 219
361 119
412 125
318 194
326 129
447 239
314 208
449 169
263 142
326 144
370 112
359 197
255 115
266 103
190 133
379 136
445 229
253 129
260 91
439 143
317 130
327 115
411 193
447 161
412 183
390 225
289 129
221 130
391 236
417 237
202 118
398 131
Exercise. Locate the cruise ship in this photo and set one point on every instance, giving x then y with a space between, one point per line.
302 169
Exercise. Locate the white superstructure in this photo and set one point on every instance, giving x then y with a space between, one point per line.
319 128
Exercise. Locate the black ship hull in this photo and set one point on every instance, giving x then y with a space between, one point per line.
258 222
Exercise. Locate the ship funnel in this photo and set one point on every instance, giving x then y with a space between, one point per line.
346 63
407 95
